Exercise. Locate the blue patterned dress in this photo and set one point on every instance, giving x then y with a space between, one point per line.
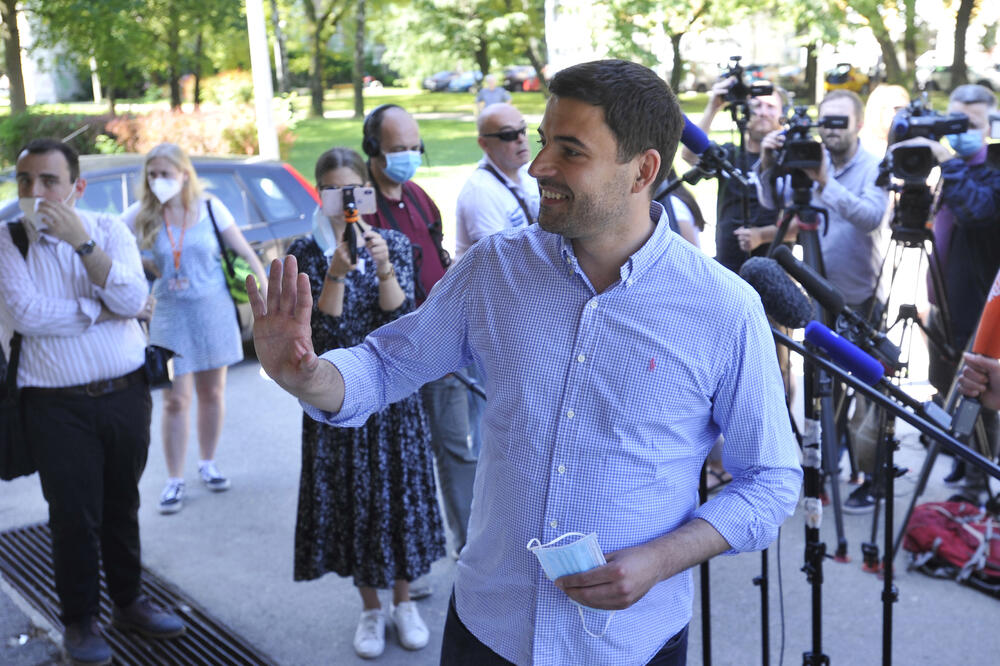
367 499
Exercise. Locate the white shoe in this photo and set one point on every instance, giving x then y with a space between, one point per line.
369 637
172 497
212 479
413 633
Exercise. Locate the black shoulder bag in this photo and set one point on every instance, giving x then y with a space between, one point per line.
15 454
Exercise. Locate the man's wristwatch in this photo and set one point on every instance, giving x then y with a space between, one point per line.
83 249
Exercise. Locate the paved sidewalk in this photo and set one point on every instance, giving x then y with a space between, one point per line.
232 552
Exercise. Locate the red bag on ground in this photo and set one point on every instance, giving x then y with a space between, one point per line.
956 540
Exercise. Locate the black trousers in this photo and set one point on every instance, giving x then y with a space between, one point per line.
91 452
460 647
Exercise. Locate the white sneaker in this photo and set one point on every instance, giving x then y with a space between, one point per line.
412 631
172 497
212 479
369 637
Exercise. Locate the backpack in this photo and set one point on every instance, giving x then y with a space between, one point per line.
956 540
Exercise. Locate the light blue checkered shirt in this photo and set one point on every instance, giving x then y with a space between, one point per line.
601 410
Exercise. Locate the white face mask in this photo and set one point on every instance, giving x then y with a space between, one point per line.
165 189
29 207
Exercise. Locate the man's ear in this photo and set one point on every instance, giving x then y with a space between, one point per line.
648 164
482 143
79 186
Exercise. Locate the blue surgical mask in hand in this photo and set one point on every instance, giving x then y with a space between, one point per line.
583 554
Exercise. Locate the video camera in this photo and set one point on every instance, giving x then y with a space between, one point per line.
801 150
912 164
740 91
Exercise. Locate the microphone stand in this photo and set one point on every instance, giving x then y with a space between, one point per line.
914 413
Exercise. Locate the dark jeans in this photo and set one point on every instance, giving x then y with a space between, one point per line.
460 647
91 452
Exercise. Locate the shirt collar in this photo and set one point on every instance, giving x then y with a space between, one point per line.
644 257
506 179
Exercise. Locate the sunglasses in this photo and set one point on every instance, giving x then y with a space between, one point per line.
508 135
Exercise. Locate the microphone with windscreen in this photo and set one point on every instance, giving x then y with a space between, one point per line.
783 301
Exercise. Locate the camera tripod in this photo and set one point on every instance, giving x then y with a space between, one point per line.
818 433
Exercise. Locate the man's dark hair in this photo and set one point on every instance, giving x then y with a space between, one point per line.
39 146
639 107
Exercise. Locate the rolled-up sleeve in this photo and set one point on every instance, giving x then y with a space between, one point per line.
760 450
125 289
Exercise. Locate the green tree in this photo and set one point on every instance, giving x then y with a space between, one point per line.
322 17
106 31
12 54
873 12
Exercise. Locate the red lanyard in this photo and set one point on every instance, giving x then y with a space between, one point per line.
176 248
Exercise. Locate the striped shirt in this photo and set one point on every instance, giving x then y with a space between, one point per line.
601 410
50 299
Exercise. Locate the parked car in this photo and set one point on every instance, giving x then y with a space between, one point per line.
517 78
938 77
465 82
272 203
846 76
439 81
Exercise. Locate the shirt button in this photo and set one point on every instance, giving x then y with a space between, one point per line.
593 305
629 282
581 358
562 469
570 414
554 524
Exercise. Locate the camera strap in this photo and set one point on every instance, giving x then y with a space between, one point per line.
520 200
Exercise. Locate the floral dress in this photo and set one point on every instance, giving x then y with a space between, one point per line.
367 499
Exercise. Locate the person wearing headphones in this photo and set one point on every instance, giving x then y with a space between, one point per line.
394 149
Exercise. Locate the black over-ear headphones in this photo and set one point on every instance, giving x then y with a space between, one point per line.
372 128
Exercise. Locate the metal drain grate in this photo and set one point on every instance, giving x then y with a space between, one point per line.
26 563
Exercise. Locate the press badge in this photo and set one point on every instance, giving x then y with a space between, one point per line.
178 284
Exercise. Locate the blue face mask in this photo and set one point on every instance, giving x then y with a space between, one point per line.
583 554
967 143
323 232
401 166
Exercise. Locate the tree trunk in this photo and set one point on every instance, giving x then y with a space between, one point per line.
173 69
316 76
112 98
959 72
812 71
281 68
536 62
12 55
359 62
199 44
893 74
678 69
482 55
910 40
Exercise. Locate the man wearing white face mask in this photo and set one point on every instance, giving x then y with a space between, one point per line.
966 236
394 148
85 399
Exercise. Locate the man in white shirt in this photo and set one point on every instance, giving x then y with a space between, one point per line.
85 404
499 194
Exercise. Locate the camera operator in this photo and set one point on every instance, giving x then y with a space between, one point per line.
966 237
736 239
844 184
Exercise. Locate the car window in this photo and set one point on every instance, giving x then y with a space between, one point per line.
104 195
224 186
277 206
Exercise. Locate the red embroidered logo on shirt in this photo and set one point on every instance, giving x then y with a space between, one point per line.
652 364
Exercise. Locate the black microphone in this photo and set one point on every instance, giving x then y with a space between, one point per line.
850 324
782 299
711 157
815 284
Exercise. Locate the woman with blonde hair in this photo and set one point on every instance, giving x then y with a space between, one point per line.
194 315
882 105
